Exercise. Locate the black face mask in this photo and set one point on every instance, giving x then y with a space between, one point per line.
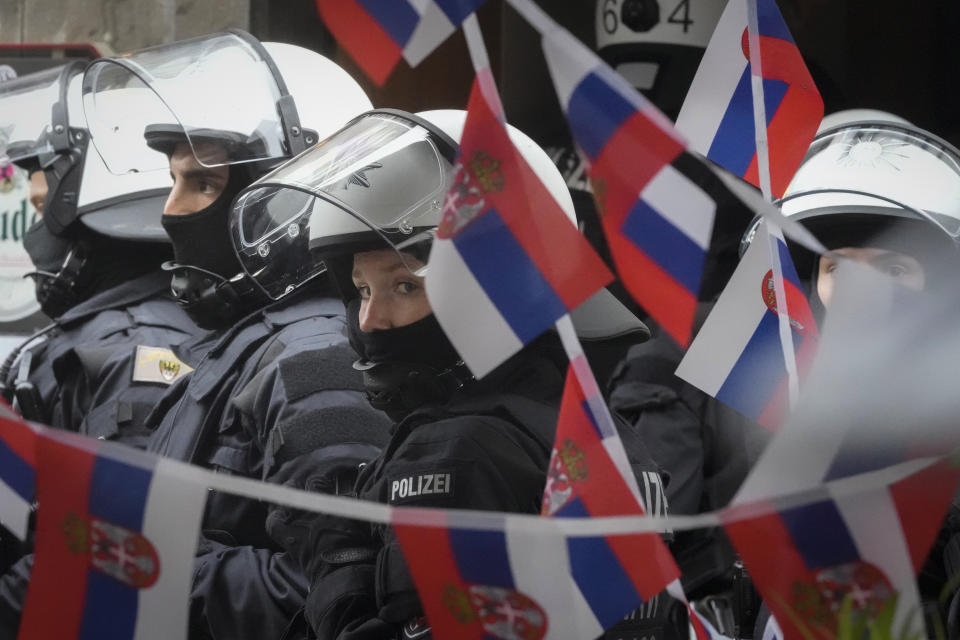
46 250
205 265
202 239
61 280
407 367
73 269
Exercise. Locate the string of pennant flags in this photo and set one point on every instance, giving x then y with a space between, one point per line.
114 547
115 544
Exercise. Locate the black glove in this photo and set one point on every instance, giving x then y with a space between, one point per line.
317 540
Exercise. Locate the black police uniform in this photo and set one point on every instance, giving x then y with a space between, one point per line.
487 448
85 370
704 447
86 378
276 384
705 450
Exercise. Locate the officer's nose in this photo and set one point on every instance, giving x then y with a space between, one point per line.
374 314
176 204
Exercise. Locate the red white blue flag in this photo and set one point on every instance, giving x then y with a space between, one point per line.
737 356
658 221
507 263
513 582
377 33
115 543
849 559
589 476
17 477
717 116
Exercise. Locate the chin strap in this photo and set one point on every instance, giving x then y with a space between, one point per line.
210 299
58 292
399 388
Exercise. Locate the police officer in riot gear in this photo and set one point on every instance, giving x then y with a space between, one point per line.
872 188
376 189
97 248
107 359
275 379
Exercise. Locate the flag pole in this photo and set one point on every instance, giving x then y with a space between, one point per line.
481 65
568 335
763 167
598 406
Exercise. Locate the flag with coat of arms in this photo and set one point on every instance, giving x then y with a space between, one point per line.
115 544
507 262
737 356
846 559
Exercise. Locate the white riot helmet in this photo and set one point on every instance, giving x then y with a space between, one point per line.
871 178
260 102
235 101
869 162
380 181
48 133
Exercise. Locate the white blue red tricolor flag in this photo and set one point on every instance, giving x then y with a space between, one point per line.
717 114
507 263
17 477
737 356
658 222
115 543
849 559
377 33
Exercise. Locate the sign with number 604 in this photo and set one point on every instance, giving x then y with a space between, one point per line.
680 22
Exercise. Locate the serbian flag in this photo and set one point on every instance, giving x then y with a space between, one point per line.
737 356
377 33
17 478
717 114
507 262
115 543
850 558
658 222
589 476
512 582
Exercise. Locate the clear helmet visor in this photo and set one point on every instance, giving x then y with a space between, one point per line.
378 182
881 168
26 114
217 93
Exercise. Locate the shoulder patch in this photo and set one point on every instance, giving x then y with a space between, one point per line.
408 487
156 364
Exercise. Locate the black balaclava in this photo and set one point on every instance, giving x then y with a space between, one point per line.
205 261
935 252
46 250
202 239
406 367
74 268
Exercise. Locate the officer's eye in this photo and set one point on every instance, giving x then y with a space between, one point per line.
895 270
207 188
406 287
363 290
